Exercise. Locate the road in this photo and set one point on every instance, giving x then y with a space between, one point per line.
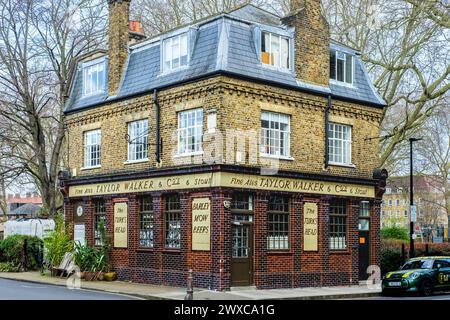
18 290
435 296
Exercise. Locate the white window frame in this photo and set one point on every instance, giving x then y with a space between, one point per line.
164 53
345 82
89 143
271 131
99 66
136 139
184 131
269 65
344 142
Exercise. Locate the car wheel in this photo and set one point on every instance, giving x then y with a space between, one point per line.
427 287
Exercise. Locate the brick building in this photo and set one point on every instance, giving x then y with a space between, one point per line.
240 146
428 198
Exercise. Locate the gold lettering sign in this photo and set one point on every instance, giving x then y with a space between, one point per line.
120 225
201 224
224 179
310 226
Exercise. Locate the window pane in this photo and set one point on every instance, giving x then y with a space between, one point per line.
94 78
92 148
348 69
285 53
138 143
183 50
364 224
190 131
275 50
340 69
275 134
333 65
167 54
338 224
278 223
339 144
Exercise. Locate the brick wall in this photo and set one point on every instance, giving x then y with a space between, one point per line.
212 269
239 105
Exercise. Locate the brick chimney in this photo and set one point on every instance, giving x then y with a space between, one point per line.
312 41
118 36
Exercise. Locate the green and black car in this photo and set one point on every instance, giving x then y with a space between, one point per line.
422 275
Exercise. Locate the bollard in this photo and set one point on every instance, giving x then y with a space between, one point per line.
190 288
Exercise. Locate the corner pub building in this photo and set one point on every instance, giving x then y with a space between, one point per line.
242 146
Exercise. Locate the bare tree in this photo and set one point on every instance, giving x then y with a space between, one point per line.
433 153
39 42
158 16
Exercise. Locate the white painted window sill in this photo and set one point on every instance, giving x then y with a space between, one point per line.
90 168
270 156
135 161
345 165
185 155
274 68
342 83
167 72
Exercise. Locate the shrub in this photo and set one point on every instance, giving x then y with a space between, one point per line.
8 267
57 243
395 233
90 259
391 252
12 247
391 259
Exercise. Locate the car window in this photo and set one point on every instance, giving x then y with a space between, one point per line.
418 264
443 263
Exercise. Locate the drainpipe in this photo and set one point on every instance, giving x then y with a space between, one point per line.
327 112
157 138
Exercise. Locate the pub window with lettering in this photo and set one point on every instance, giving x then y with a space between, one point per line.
146 222
338 224
278 223
99 219
172 223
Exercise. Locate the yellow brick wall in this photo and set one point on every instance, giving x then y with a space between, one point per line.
238 105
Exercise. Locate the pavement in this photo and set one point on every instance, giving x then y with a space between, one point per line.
20 290
437 296
152 292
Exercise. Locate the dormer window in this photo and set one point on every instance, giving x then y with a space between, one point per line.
175 52
275 50
341 66
93 78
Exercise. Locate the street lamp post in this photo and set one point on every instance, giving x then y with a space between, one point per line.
411 198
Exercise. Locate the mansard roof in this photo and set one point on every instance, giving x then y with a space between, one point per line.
228 44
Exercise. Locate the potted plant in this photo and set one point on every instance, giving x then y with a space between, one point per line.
84 259
104 265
